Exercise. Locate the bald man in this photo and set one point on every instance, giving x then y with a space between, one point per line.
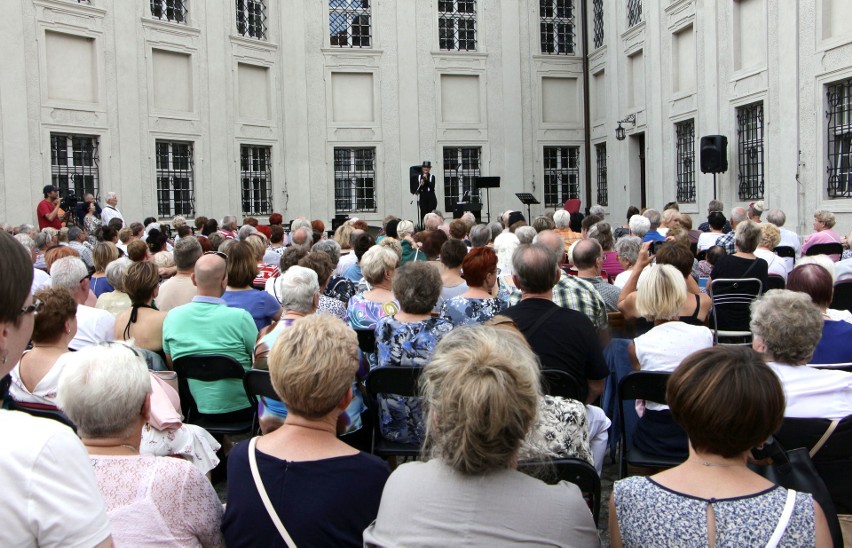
208 326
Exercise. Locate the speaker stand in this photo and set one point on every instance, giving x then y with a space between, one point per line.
714 185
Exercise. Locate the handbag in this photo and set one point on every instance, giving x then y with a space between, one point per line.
261 490
795 470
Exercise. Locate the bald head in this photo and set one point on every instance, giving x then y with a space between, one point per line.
586 254
552 241
210 276
301 237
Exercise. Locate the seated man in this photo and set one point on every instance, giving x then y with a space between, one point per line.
653 234
208 326
180 290
93 325
562 338
588 258
570 291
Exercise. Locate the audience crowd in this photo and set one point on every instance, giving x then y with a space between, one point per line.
517 331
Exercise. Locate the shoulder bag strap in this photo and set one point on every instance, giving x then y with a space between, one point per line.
783 521
829 431
261 490
543 318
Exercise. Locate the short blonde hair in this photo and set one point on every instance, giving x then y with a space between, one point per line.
404 228
770 236
481 392
376 261
343 236
103 254
661 293
257 243
312 365
826 217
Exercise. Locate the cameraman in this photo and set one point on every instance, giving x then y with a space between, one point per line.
48 212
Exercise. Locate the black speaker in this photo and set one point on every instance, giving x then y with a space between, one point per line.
714 154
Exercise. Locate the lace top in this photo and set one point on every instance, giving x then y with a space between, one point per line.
652 515
158 501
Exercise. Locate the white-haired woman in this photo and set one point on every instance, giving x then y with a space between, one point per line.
323 491
505 245
627 248
410 248
482 392
151 501
116 301
661 295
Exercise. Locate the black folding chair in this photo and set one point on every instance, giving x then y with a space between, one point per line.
733 296
641 385
576 471
785 251
212 369
555 382
775 281
42 411
842 296
258 384
401 381
825 249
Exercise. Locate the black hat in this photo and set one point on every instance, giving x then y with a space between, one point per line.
48 189
516 216
427 163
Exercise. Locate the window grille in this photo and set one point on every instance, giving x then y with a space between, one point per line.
354 179
74 164
634 13
256 180
175 190
685 132
598 22
461 170
557 26
561 175
251 18
603 192
839 144
750 151
457 25
349 23
169 10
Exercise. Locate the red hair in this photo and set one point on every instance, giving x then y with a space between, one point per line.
477 264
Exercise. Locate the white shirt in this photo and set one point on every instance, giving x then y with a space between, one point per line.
41 280
621 280
49 489
815 393
344 263
666 345
707 240
93 326
109 213
843 270
777 265
790 239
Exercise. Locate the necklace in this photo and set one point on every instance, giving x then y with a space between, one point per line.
719 464
58 346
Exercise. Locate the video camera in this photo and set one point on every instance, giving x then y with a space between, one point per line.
69 202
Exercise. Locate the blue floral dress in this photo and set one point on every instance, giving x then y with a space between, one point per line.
405 345
464 311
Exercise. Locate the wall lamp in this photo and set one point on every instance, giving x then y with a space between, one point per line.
619 131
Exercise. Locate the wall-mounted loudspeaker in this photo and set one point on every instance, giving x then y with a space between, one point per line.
714 154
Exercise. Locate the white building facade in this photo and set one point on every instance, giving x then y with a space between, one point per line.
320 107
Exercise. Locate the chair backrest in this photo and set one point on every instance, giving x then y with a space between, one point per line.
785 251
734 296
775 281
258 383
576 471
644 385
832 248
393 380
366 340
42 411
842 296
205 368
555 382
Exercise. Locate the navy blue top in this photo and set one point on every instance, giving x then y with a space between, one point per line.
327 502
834 347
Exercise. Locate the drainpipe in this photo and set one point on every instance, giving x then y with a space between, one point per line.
587 124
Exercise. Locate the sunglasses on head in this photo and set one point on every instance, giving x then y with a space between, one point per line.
217 253
34 308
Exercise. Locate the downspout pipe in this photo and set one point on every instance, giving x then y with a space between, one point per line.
587 124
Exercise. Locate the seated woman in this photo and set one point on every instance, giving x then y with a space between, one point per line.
337 287
242 270
265 271
158 248
834 346
627 250
602 232
116 301
482 392
151 501
505 245
378 265
407 339
102 255
729 402
476 305
823 233
713 254
321 264
716 223
787 326
324 492
662 294
770 236
36 375
142 322
742 264
410 248
451 256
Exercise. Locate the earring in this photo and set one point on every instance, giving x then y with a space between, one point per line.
5 357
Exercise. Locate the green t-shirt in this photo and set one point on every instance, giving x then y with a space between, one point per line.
208 327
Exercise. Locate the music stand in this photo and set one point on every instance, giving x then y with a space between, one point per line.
528 200
486 183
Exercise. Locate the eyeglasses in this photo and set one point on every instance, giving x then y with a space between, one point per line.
217 253
86 277
34 308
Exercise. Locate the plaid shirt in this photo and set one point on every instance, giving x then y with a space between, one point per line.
727 241
576 294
